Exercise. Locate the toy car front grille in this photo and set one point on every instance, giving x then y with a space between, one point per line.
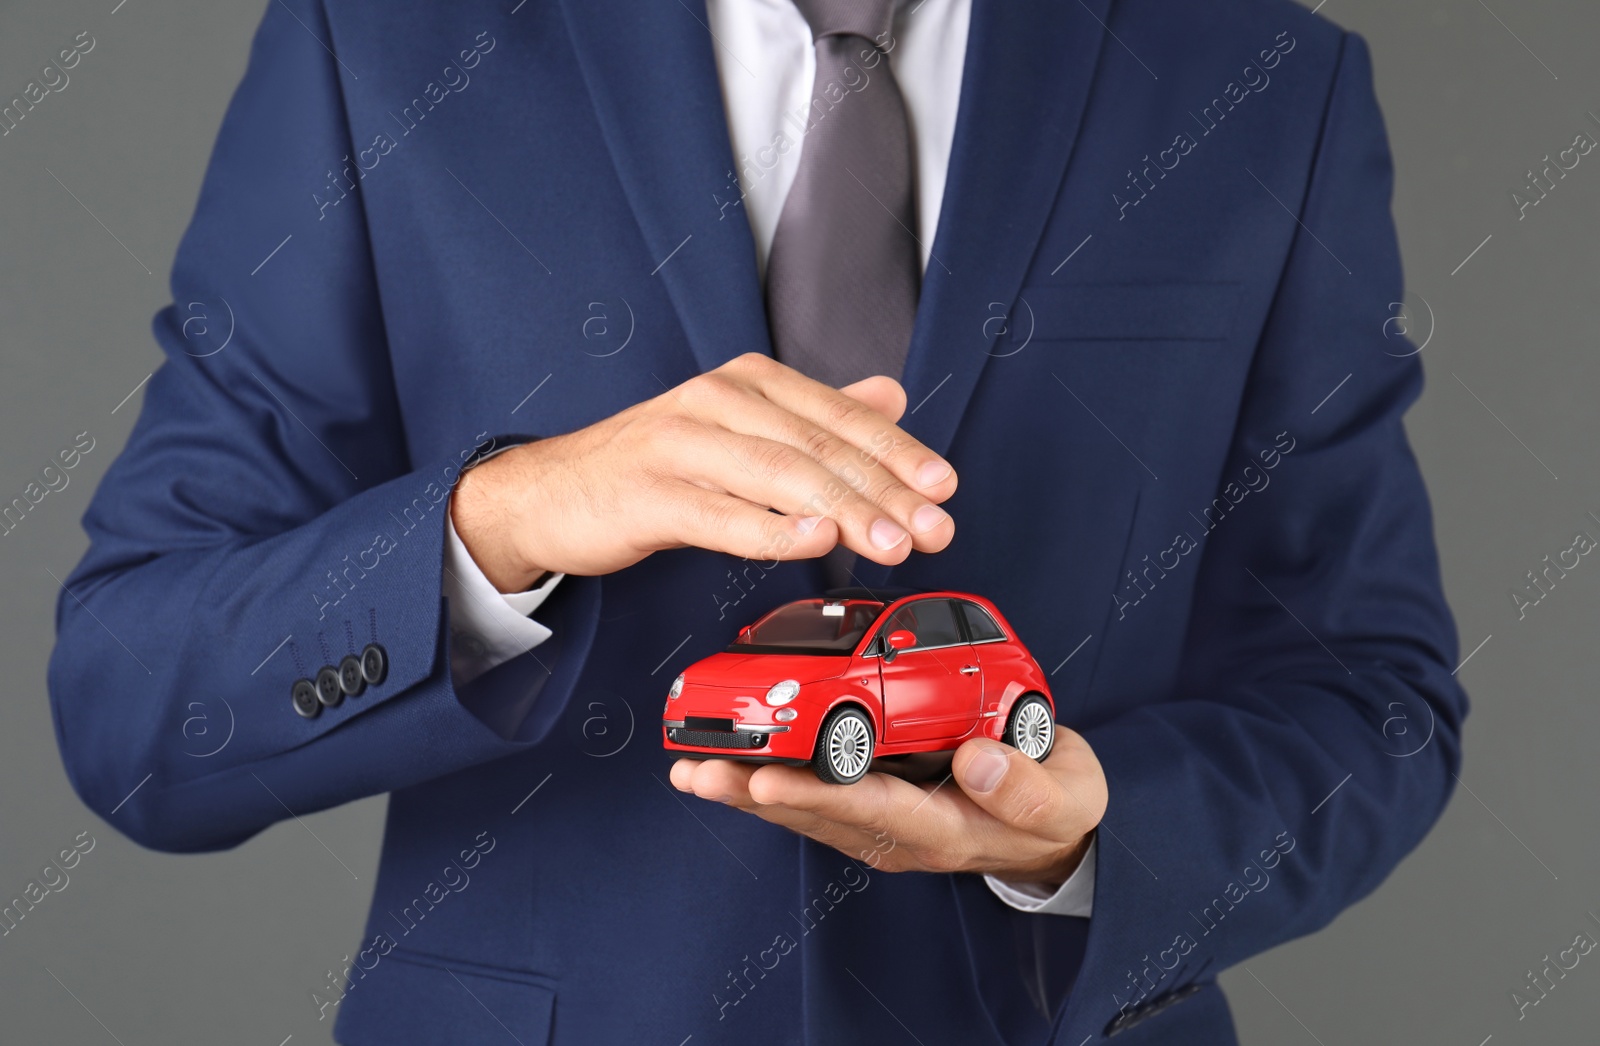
700 722
716 738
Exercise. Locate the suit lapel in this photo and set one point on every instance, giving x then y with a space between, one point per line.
1025 83
651 73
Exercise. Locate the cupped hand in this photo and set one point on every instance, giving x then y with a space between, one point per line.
999 812
754 459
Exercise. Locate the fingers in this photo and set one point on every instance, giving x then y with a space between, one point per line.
866 803
1030 797
856 825
864 477
724 523
681 774
600 499
883 394
725 781
778 794
1030 827
888 823
880 519
856 422
720 780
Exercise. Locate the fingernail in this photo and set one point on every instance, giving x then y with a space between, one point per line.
886 535
932 473
806 524
722 798
984 772
927 517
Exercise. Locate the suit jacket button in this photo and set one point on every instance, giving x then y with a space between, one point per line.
304 695
374 664
351 680
328 690
1128 1019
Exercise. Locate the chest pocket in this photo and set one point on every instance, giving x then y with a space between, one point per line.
1191 313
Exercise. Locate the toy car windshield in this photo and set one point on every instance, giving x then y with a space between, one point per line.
811 626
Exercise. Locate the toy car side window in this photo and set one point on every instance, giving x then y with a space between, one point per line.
932 621
980 625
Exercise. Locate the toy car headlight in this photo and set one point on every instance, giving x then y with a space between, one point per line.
677 688
782 693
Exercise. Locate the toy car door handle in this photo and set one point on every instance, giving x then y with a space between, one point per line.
967 670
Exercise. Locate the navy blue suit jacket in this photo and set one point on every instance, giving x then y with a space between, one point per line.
1183 478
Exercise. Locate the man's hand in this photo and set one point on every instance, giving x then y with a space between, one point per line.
1005 815
702 465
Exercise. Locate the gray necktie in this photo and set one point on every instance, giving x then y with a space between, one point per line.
843 274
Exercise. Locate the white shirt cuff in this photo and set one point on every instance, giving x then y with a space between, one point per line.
487 627
1074 897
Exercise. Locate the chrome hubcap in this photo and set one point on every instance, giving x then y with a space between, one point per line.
849 746
1034 730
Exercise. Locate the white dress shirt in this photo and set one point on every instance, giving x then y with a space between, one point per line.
766 63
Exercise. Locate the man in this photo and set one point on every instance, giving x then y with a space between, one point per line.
594 312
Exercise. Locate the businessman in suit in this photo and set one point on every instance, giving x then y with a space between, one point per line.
562 339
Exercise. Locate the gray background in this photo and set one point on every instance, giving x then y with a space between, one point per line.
224 948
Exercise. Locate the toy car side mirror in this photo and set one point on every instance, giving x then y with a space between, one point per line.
898 640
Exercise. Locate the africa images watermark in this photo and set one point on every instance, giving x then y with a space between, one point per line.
1542 982
454 876
802 121
1252 879
343 580
54 876
1254 480
852 880
1540 185
453 80
1542 584
53 479
1254 78
54 80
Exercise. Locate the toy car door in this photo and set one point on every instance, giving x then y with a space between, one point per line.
932 690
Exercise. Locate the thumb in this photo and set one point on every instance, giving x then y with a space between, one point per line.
1019 792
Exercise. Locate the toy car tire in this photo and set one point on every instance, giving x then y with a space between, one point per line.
1031 728
844 746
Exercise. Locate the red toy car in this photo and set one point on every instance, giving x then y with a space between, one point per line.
838 681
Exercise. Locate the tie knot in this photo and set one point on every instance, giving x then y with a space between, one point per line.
866 18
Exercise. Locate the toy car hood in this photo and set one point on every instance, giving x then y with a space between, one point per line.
747 671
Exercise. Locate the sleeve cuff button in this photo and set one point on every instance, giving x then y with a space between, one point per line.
304 696
329 692
351 679
374 664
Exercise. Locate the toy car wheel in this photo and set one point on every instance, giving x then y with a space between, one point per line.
1031 729
844 747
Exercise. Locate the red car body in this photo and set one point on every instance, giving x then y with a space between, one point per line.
959 677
